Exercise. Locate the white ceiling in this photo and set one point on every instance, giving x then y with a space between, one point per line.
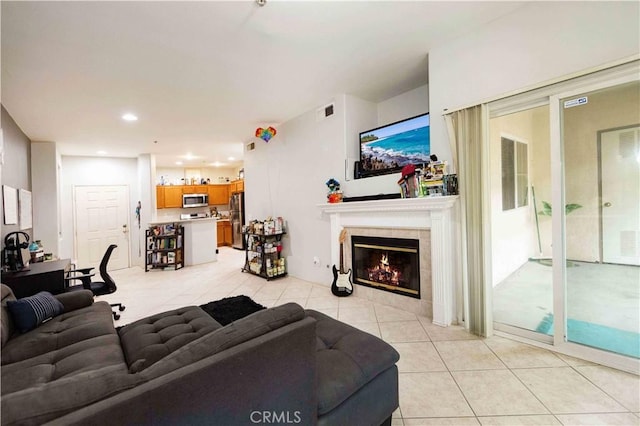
202 76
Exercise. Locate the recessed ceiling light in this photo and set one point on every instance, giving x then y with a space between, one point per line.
130 117
101 152
231 158
189 156
216 164
179 163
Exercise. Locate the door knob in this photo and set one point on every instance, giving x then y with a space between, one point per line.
607 204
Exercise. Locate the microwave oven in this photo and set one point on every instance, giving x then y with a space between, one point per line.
195 200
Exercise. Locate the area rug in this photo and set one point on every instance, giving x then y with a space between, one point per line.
230 309
597 336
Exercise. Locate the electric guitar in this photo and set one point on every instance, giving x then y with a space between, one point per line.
341 285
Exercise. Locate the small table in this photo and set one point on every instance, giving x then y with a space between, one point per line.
44 276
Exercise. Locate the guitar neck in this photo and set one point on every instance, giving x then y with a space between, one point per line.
341 261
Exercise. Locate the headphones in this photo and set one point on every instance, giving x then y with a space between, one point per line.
13 244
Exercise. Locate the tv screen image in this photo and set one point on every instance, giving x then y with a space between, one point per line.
389 148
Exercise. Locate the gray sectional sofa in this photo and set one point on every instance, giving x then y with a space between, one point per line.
282 365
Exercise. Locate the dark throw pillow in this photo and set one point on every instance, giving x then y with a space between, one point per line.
30 312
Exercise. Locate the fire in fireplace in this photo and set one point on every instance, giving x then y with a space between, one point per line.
390 264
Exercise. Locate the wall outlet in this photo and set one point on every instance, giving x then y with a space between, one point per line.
316 261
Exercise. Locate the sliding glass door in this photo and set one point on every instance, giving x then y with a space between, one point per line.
600 132
564 172
520 171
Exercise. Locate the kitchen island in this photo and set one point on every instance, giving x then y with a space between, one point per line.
200 239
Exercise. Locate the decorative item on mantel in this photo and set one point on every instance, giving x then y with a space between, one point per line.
334 195
409 182
430 181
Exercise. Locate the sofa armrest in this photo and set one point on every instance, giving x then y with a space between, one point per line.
273 374
75 299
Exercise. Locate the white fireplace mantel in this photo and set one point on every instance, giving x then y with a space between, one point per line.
434 213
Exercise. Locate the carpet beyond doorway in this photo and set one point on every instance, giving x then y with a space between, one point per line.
597 336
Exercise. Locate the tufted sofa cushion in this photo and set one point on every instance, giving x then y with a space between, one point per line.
150 339
240 331
62 331
87 355
347 359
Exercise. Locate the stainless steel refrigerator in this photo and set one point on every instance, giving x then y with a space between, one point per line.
236 214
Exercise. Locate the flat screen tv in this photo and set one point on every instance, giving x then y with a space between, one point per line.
389 148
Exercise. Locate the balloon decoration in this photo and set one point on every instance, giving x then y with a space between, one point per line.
265 134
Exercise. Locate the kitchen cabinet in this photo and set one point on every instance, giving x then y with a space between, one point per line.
220 234
236 186
218 194
170 196
173 196
224 233
227 233
160 197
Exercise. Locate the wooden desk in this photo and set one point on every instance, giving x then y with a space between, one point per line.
44 276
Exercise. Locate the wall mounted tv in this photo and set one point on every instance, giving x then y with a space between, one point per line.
389 148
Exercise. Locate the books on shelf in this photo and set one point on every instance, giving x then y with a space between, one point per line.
164 246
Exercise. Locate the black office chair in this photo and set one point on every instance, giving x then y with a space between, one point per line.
98 288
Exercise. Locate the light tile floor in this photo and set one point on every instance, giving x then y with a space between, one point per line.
447 376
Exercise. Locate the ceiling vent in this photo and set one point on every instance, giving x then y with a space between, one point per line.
325 111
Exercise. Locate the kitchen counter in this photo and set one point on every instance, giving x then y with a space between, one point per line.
200 239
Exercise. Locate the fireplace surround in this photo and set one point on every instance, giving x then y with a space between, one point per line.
388 264
431 220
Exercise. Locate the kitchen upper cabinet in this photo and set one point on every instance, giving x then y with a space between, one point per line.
173 196
170 196
160 197
218 194
236 186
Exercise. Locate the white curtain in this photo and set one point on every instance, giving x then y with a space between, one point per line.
466 136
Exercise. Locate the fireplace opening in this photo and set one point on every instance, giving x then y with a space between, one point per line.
390 264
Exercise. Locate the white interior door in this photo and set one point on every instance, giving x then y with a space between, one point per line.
620 166
101 220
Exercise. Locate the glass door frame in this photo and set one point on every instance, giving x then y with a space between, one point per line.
552 95
560 341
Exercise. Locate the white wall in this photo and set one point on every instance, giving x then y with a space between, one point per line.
286 177
44 188
536 43
96 171
147 197
408 104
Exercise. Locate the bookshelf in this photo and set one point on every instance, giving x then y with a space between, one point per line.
164 246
